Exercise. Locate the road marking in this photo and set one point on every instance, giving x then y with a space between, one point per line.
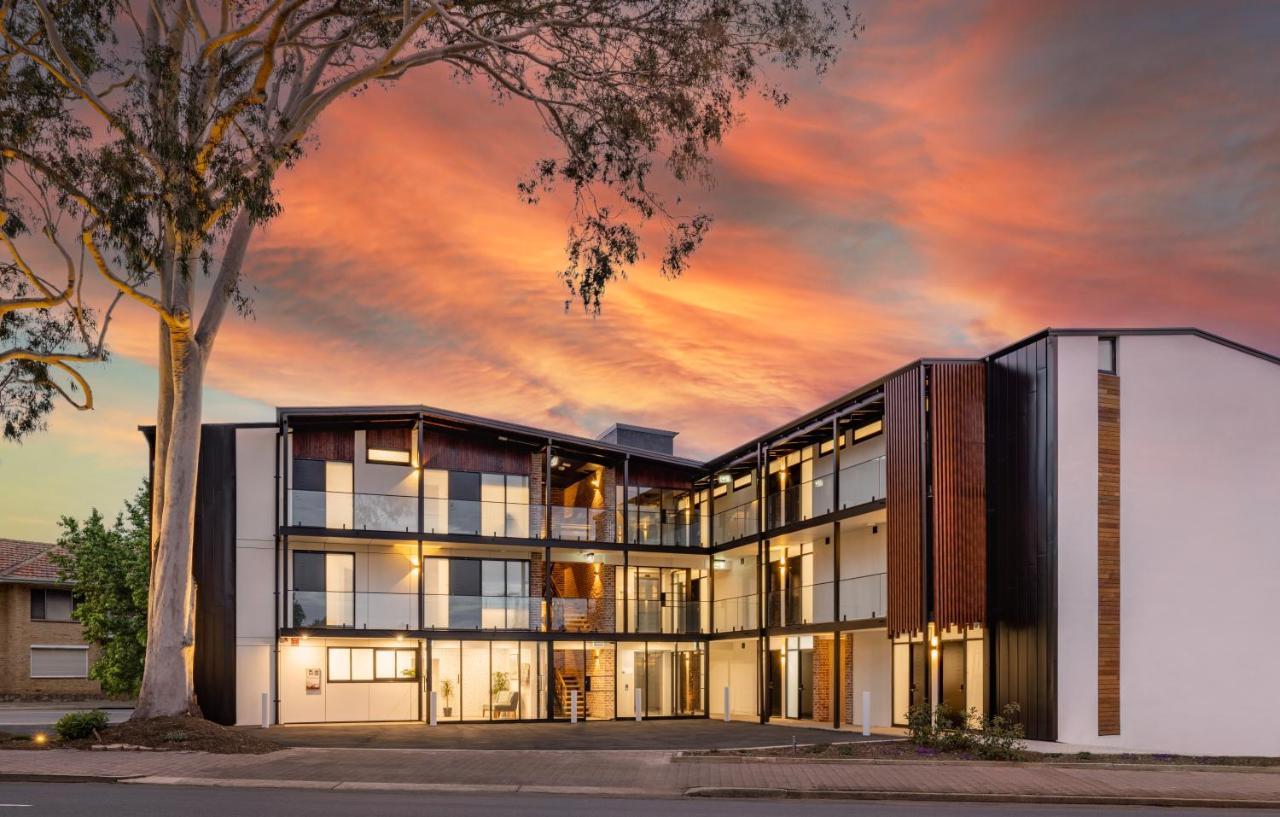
15 805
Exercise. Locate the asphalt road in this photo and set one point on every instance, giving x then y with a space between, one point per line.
110 800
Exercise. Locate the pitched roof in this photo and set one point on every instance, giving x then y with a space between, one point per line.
23 561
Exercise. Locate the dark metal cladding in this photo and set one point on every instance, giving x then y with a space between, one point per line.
214 569
1022 595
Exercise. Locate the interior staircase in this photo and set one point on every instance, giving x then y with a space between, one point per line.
567 683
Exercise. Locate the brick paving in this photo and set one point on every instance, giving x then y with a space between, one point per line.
649 771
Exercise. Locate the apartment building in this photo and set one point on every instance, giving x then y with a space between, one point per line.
1083 523
42 652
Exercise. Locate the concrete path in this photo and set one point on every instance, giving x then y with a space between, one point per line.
654 773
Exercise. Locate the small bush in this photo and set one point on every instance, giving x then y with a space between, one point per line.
1001 736
79 725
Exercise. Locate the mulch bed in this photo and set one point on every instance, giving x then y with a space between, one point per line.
161 734
905 750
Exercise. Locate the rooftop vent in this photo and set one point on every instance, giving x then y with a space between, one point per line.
646 439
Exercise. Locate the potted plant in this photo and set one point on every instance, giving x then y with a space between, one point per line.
446 689
501 682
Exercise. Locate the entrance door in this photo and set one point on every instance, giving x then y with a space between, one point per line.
952 676
805 692
688 680
919 673
795 590
776 681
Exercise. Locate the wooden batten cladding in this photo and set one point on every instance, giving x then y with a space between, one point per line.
1108 554
652 475
904 467
957 413
335 445
461 452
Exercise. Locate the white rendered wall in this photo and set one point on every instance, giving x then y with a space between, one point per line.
733 664
339 702
1200 526
873 672
255 570
1077 362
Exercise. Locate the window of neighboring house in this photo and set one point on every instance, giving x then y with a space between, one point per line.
57 661
324 589
1107 355
353 664
51 605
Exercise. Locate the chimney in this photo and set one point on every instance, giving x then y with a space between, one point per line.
646 439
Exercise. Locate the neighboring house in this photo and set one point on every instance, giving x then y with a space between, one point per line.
41 651
1084 523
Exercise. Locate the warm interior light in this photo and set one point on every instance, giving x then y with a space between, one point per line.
385 455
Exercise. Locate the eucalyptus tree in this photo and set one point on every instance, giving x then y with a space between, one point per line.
141 145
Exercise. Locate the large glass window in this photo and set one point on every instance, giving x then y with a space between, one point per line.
473 594
51 605
323 589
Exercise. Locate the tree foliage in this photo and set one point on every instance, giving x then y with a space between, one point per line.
109 569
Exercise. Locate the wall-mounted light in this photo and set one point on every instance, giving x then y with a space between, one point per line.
555 461
591 558
724 479
719 563
875 528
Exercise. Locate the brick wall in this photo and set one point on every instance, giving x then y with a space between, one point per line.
822 649
18 632
600 667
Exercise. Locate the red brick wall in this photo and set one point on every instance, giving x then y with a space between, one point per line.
822 649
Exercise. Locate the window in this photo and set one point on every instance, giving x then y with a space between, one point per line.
324 589
385 456
1107 355
51 605
356 664
742 481
869 430
50 661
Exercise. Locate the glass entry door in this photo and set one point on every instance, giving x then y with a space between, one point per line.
648 600
568 676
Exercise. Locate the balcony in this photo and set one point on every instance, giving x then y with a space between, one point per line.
348 511
668 617
862 482
800 604
476 517
456 612
663 527
352 610
864 597
736 522
582 615
581 524
737 613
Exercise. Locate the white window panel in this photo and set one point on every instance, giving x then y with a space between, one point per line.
384 664
362 664
339 664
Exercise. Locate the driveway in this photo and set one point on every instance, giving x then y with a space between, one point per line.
651 734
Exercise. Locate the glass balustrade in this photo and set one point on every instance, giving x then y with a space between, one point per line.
800 604
459 612
347 511
862 482
664 527
863 597
475 517
581 524
656 616
736 522
582 615
737 613
352 610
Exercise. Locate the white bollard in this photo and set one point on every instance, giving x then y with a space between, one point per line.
431 711
639 704
726 704
866 712
266 711
573 706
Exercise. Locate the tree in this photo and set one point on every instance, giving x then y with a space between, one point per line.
109 570
142 141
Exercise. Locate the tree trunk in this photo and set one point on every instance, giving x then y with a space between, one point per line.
167 683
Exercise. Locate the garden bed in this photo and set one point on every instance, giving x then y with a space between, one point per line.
157 734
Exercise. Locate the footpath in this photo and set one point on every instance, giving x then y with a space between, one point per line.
658 773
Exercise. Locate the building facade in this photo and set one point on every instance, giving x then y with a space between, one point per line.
1031 527
42 653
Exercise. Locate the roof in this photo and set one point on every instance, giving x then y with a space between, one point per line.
26 562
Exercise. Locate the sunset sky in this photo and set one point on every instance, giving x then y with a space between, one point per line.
969 173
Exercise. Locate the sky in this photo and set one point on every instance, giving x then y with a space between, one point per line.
968 173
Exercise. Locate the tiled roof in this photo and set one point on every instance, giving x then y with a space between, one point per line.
21 560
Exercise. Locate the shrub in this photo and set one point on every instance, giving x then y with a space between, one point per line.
78 725
921 729
1001 737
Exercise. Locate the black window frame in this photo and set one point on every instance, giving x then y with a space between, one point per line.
417 666
293 582
1114 343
